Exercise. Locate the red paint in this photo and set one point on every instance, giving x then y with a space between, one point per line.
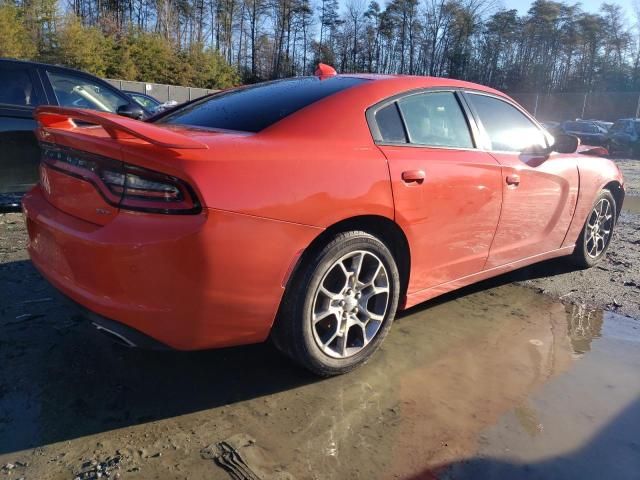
216 278
324 70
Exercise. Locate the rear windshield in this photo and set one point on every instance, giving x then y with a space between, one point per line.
254 108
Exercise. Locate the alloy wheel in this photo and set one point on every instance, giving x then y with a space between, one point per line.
350 304
599 228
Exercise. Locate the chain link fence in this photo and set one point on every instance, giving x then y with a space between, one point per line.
162 92
607 106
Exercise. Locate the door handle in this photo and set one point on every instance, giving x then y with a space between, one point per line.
513 179
413 176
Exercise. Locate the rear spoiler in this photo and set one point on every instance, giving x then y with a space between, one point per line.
118 127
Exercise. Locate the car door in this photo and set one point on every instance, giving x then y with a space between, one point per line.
447 192
539 189
21 92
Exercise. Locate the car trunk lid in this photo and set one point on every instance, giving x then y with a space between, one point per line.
83 172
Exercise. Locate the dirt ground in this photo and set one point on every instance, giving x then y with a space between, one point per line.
530 375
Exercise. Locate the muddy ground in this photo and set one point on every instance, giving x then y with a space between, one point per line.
530 375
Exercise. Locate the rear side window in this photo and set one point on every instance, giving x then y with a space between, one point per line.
254 108
508 129
17 88
435 119
390 124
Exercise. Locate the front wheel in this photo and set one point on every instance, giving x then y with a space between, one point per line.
339 305
597 232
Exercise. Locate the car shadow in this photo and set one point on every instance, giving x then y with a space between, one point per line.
61 380
613 453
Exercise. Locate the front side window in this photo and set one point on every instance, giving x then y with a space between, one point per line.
80 92
435 119
17 88
507 128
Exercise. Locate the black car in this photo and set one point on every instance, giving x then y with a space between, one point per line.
589 133
23 87
624 137
151 104
148 102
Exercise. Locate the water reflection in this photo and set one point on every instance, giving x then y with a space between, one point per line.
584 324
447 371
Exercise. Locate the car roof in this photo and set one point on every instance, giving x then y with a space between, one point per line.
404 81
47 65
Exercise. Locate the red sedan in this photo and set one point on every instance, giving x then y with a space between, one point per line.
307 210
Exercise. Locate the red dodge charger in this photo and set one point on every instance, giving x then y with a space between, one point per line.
308 210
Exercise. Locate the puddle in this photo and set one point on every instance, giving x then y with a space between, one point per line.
447 373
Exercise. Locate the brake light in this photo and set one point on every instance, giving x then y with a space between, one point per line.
123 185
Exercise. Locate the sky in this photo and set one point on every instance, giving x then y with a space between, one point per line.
587 5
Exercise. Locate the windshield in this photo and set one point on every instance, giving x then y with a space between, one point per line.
81 92
145 101
254 108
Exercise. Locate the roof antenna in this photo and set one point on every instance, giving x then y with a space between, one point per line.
324 70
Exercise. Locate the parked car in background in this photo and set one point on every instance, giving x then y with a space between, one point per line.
624 137
150 103
278 210
147 101
551 126
588 132
26 85
602 124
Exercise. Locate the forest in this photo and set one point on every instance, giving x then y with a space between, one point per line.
553 47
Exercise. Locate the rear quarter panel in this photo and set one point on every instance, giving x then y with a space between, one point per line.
315 167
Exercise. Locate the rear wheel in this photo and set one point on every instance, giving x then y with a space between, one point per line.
339 305
597 232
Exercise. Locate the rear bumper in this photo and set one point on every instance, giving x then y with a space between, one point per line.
187 281
118 332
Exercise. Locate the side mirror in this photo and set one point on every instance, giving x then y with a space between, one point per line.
565 144
132 111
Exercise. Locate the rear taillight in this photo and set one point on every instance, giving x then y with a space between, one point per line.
123 185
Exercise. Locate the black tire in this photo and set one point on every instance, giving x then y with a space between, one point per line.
581 256
293 332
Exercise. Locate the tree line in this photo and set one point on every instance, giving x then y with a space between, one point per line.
555 46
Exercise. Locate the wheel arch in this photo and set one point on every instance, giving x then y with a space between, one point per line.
385 229
618 194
